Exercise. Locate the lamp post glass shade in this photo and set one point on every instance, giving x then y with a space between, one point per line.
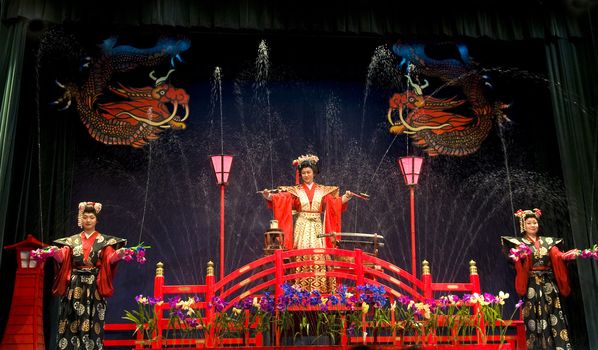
411 168
222 165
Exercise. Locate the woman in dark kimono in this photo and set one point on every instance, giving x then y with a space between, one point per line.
540 278
87 262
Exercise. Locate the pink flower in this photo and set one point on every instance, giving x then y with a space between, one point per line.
137 252
41 254
520 252
591 253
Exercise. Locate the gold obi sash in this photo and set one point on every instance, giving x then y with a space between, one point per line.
309 215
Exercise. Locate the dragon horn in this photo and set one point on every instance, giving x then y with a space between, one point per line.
151 75
417 88
162 79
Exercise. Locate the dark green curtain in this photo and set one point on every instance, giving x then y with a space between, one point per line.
12 49
503 20
573 70
39 155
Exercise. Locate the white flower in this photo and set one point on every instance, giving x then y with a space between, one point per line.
502 296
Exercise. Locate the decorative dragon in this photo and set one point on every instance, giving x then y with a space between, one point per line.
426 119
144 112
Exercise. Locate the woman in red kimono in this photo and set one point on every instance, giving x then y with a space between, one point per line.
540 278
87 262
309 200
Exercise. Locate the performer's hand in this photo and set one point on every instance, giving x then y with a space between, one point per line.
120 252
347 196
570 254
267 195
58 257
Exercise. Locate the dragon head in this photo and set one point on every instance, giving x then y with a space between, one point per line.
158 106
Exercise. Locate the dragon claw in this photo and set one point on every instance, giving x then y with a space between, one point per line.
68 104
65 97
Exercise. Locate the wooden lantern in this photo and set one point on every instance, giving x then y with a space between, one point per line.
25 328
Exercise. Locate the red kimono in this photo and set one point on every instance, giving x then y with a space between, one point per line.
309 205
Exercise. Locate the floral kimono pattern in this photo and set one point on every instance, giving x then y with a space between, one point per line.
540 279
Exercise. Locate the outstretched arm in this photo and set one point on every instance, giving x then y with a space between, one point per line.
267 195
347 196
116 255
59 253
560 270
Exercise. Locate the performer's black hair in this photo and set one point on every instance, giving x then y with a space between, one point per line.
309 164
532 215
90 209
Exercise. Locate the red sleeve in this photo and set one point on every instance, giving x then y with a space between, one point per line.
60 254
63 276
560 271
522 268
282 208
106 273
334 210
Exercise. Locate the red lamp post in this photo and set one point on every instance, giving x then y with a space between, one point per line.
222 165
411 168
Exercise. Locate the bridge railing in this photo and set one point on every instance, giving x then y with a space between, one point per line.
348 267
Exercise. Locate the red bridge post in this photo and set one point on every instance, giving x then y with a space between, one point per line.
278 278
209 296
159 293
359 266
474 279
427 279
278 273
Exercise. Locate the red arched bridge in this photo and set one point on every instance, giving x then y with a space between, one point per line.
267 275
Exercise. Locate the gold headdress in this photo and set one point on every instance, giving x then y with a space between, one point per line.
96 206
521 214
312 158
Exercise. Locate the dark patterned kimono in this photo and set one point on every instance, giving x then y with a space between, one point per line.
83 282
539 280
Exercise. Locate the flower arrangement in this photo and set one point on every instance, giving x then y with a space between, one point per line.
184 320
144 317
591 253
136 253
352 311
520 252
41 254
